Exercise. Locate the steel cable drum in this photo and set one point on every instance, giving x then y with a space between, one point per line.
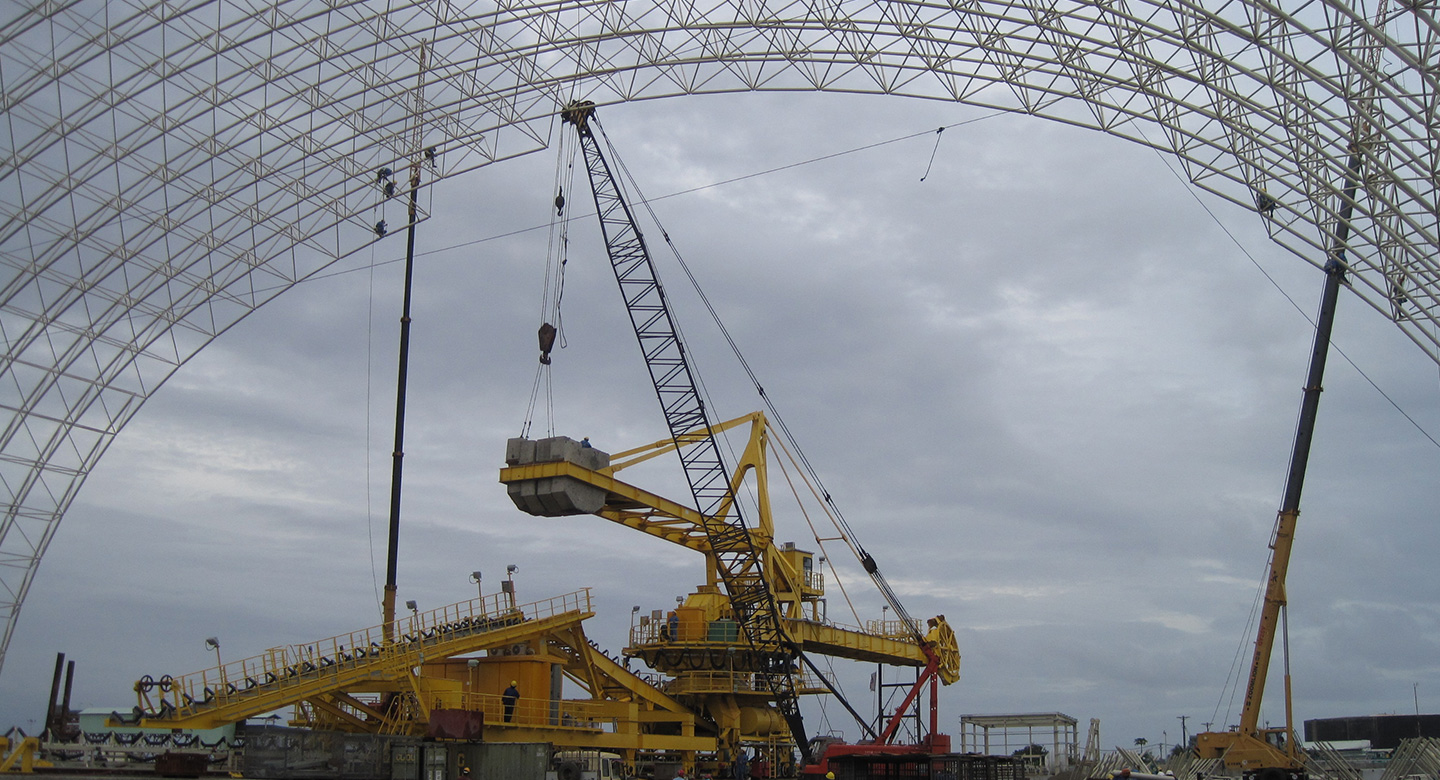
947 649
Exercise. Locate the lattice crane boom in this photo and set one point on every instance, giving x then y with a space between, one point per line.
738 560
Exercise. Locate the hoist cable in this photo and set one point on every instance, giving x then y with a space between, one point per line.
796 456
864 557
557 255
748 494
828 558
1286 295
1235 675
627 179
866 560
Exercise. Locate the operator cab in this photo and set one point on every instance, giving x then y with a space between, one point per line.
1275 737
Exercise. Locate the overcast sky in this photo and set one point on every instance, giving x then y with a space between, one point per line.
1052 396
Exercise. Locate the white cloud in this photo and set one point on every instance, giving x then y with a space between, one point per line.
1189 624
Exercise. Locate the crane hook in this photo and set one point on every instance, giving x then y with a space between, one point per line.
547 342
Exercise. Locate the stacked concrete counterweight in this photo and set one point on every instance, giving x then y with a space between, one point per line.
561 495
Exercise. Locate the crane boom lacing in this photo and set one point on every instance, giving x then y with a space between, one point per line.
738 560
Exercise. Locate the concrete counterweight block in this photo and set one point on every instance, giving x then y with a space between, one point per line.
555 496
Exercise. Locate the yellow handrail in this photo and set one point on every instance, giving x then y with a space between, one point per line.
282 667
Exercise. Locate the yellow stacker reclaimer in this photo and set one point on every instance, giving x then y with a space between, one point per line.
714 670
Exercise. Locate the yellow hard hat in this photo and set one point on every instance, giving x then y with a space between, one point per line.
513 682
829 776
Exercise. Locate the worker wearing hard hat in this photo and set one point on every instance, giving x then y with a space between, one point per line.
511 695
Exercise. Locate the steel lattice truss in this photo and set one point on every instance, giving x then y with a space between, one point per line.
171 165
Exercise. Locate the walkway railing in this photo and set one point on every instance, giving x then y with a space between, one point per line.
730 682
538 713
292 666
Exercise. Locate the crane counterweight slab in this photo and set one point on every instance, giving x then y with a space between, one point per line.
556 496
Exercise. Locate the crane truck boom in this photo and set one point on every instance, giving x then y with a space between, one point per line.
1266 753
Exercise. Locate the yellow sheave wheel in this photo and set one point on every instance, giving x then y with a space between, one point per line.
942 640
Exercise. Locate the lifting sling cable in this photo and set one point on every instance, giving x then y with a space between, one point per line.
865 559
738 561
552 327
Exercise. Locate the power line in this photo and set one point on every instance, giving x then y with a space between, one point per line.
897 139
1286 295
658 198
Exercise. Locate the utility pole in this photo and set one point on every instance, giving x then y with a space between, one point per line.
1184 739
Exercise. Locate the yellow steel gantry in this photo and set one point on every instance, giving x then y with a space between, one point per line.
457 659
341 671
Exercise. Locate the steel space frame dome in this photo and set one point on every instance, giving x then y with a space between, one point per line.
169 166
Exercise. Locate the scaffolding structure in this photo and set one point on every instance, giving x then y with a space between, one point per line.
1054 733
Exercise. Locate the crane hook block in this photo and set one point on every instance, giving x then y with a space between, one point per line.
552 496
547 342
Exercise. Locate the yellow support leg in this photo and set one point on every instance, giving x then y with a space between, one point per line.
21 758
